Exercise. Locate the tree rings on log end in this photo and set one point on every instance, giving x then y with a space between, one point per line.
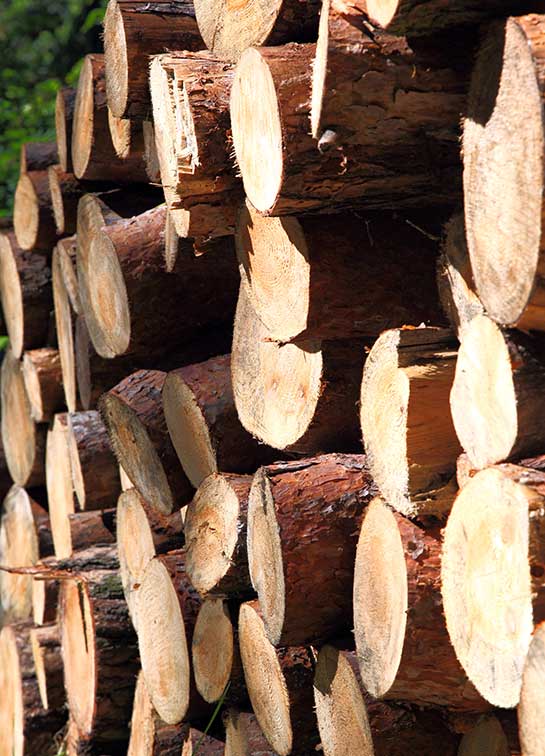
212 649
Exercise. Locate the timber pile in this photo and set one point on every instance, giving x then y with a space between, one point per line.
273 422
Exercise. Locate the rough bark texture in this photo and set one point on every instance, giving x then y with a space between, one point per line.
33 216
38 156
43 381
89 529
64 117
46 650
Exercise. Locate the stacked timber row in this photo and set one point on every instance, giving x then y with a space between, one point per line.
272 467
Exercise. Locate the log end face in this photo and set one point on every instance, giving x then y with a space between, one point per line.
120 132
18 427
116 60
65 334
60 129
381 12
33 389
59 487
143 721
228 29
11 685
212 649
26 213
57 202
83 128
531 709
12 296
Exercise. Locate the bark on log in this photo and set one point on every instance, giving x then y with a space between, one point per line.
279 682
64 117
499 376
25 289
45 595
531 712
243 735
66 250
151 158
43 382
27 728
133 414
215 534
22 439
93 154
229 29
287 266
45 642
303 521
406 424
132 306
33 218
95 528
493 568
60 493
487 738
64 322
134 30
95 472
295 397
38 156
507 89
66 191
398 578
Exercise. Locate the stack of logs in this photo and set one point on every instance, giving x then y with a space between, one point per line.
273 407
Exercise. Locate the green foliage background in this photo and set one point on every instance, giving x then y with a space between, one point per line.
42 43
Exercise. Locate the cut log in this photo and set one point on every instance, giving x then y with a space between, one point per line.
93 153
397 578
66 251
230 28
25 289
60 492
133 31
503 209
151 158
127 137
496 402
279 683
27 728
132 306
43 382
406 424
196 742
45 594
64 322
531 712
38 156
172 241
22 439
493 571
303 521
215 534
64 117
487 738
133 414
95 528
126 483
142 532
46 651
95 472
243 735
288 264
33 218
66 191
295 397
167 611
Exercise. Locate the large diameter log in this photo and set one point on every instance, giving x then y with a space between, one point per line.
288 264
60 491
215 534
493 565
133 414
25 289
229 29
22 439
397 577
406 424
46 651
64 322
64 117
496 399
93 154
506 89
95 473
303 520
299 397
42 374
133 31
531 714
132 306
243 735
27 728
37 156
33 218
279 684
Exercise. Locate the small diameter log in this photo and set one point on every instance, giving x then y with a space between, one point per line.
133 414
215 535
100 656
531 711
151 158
167 612
33 218
455 279
295 397
190 94
60 492
493 568
43 382
96 528
397 577
38 156
243 735
64 117
303 521
64 322
66 191
124 479
93 153
22 439
66 250
132 306
279 682
25 289
142 532
46 651
496 399
95 472
487 738
45 595
507 89
287 266
133 31
127 137
27 728
25 537
406 424
229 29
